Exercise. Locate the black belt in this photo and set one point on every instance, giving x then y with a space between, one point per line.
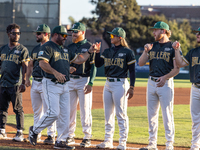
37 79
75 76
154 79
56 81
113 80
197 85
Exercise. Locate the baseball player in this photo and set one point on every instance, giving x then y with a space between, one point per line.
80 86
55 62
38 103
117 61
192 60
160 88
14 57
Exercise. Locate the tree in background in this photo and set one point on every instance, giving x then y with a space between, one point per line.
126 14
71 19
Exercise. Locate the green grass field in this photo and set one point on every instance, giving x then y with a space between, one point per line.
138 124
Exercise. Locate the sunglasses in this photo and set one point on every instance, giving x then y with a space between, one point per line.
112 36
75 31
15 33
64 35
38 33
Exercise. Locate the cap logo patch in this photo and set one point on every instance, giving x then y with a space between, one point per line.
40 53
74 25
38 27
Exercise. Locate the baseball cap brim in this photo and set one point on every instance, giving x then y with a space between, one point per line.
111 33
65 33
195 31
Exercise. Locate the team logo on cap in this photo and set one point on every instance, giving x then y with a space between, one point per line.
84 50
38 27
40 53
65 50
74 25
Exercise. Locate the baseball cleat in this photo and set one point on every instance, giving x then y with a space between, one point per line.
19 137
49 140
32 136
85 143
70 141
105 145
62 145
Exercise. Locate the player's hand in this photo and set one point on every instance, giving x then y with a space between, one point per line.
72 69
148 47
161 82
87 89
60 77
22 88
130 93
176 45
27 83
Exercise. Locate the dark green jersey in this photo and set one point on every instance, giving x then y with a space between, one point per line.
37 71
116 61
58 58
193 59
161 58
81 47
11 63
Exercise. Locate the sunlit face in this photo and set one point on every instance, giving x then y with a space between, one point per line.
157 34
14 35
61 39
198 37
77 36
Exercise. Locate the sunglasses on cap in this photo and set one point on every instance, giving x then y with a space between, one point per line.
112 36
64 35
15 33
75 31
38 33
198 33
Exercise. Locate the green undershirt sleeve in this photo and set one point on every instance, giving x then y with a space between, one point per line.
93 72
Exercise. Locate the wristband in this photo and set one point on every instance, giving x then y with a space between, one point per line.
90 84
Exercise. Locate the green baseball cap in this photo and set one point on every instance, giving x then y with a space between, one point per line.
78 26
160 25
60 30
43 28
195 31
118 32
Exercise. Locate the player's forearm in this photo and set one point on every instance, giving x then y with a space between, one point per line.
24 70
29 71
179 59
46 67
143 59
81 58
172 73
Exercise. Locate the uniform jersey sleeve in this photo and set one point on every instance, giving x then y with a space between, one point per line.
45 53
186 59
25 55
130 57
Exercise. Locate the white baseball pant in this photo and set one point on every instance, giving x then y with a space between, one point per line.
77 95
57 99
195 114
115 101
164 97
39 106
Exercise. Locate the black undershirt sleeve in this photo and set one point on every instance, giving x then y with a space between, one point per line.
98 60
132 74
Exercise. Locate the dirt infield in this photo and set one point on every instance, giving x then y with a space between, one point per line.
139 99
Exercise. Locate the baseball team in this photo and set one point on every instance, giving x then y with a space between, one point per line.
63 78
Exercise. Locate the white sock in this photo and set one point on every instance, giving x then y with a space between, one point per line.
3 130
19 131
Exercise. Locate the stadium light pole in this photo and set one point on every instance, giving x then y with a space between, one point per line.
13 11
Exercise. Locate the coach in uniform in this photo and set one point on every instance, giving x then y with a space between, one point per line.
55 61
38 103
192 60
160 88
80 86
14 56
117 61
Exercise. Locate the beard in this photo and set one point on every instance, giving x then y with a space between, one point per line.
158 37
60 41
77 39
39 40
